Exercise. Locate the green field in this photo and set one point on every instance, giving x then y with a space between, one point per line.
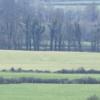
48 76
48 92
49 60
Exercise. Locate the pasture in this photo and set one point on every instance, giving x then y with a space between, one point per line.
48 75
48 60
48 92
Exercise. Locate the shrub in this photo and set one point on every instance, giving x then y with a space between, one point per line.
94 97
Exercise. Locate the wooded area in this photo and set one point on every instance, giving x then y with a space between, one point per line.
30 25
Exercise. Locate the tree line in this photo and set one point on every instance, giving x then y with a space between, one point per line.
22 80
62 71
31 25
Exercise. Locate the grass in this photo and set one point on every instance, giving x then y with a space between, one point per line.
48 76
49 60
48 92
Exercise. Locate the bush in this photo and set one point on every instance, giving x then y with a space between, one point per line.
94 97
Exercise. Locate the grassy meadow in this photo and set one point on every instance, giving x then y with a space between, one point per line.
48 75
49 60
48 92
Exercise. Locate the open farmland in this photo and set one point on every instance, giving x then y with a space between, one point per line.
48 92
49 60
48 75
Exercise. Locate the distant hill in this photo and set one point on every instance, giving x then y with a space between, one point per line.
70 0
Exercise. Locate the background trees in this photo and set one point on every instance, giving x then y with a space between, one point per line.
31 25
